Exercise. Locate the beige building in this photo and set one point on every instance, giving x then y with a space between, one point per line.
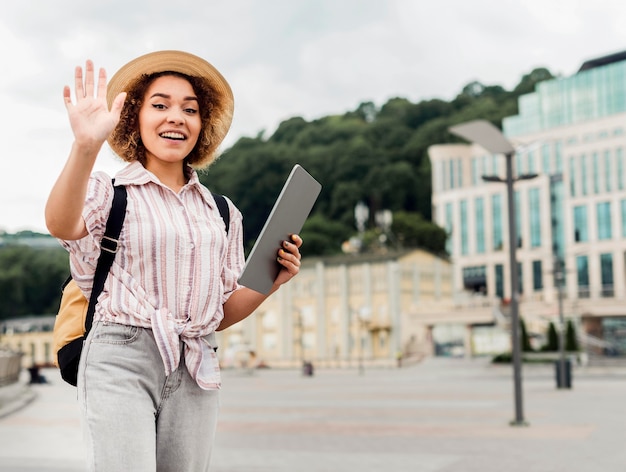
347 311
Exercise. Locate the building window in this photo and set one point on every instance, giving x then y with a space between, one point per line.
608 171
480 225
595 172
451 175
572 176
520 278
604 220
464 230
496 209
582 276
475 279
619 156
606 274
499 269
535 217
449 228
459 172
583 174
580 224
537 276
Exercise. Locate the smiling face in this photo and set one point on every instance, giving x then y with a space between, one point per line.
169 121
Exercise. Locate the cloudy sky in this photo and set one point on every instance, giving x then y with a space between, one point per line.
283 58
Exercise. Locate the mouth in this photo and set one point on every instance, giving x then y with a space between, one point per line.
173 135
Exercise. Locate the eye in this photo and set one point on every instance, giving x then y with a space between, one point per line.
191 111
158 106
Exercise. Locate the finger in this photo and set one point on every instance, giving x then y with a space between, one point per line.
292 248
118 104
78 83
67 96
297 240
293 258
102 83
89 79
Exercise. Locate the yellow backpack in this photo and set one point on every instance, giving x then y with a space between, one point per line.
75 316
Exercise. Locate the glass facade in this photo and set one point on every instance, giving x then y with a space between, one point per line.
587 95
608 172
479 207
537 276
582 276
583 175
619 157
580 224
496 214
464 229
535 217
499 272
603 211
595 172
606 274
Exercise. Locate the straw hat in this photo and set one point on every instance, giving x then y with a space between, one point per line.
185 63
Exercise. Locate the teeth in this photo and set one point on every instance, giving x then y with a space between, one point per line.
172 135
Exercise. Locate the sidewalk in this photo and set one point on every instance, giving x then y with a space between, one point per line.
442 415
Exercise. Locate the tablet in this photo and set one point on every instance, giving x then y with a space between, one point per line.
292 207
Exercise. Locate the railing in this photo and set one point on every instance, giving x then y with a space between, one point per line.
10 366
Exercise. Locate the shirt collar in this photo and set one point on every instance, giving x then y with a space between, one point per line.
136 174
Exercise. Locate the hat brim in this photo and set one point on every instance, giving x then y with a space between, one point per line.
181 62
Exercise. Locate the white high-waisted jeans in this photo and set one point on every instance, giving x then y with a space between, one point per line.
134 417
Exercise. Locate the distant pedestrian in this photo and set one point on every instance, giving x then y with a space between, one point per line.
149 376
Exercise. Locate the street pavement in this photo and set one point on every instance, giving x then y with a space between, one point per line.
441 415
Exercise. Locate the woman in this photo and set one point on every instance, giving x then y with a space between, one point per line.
149 377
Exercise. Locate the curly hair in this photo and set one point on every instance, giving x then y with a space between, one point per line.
126 135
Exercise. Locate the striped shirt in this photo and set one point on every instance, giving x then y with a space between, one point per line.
175 268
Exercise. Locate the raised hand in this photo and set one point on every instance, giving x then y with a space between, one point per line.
90 118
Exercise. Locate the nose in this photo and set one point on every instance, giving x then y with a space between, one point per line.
175 116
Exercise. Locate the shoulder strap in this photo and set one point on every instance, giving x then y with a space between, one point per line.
222 206
108 249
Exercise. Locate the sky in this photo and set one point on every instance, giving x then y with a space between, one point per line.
282 58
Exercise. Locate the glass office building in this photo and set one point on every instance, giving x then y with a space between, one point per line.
570 132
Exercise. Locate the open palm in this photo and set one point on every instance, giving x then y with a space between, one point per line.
90 118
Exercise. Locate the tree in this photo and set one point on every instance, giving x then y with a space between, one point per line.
526 346
571 341
31 280
552 344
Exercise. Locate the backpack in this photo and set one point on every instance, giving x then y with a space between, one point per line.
75 317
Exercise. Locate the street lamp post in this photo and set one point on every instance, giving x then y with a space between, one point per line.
559 275
491 138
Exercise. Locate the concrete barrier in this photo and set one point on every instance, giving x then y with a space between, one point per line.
10 366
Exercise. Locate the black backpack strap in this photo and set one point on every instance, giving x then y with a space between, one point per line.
108 248
222 206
